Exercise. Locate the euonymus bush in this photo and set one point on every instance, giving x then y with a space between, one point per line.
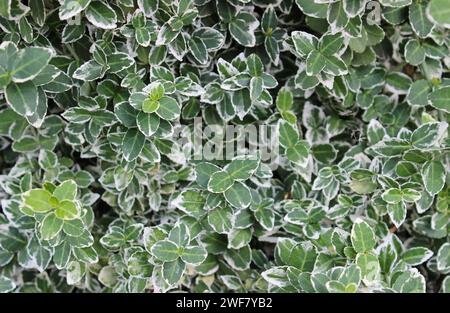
346 101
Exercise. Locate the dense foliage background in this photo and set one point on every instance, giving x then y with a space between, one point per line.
98 196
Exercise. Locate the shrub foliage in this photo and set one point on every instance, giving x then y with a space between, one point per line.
98 193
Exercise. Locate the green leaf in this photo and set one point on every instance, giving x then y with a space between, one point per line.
439 99
62 254
204 170
298 153
132 144
370 267
74 227
410 195
238 195
211 37
66 210
86 255
398 83
314 63
29 62
439 12
284 100
288 134
220 219
324 153
139 265
418 93
336 16
198 50
272 49
256 88
179 235
410 281
391 147
416 256
396 3
25 144
101 15
433 175
239 259
22 97
254 65
243 32
276 276
420 23
334 65
335 286
238 238
6 284
50 227
38 200
126 114
11 239
313 9
428 135
443 257
194 255
165 250
397 213
89 71
147 123
191 203
414 52
113 240
362 237
168 108
302 256
392 195
220 182
66 191
242 168
70 8
119 61
304 43
330 44
173 271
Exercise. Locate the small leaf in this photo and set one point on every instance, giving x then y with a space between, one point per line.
433 175
439 99
194 255
416 256
168 108
220 181
173 271
362 237
438 12
242 168
66 210
314 63
427 135
23 98
38 200
6 284
165 250
66 190
238 195
101 15
443 257
51 226
29 62
132 144
147 123
392 195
